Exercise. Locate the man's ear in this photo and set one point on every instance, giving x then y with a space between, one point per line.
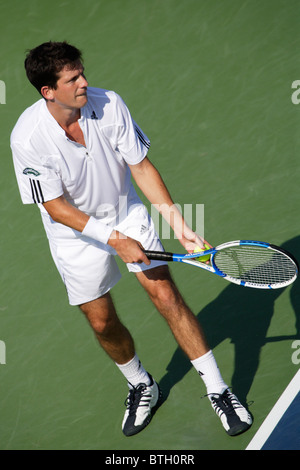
47 93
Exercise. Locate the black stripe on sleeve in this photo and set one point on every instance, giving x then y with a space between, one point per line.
32 191
141 137
40 191
36 191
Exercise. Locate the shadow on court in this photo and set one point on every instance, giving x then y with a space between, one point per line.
243 315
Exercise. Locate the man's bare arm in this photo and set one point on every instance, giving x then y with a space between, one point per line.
61 211
153 187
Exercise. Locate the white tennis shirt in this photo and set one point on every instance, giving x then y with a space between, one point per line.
96 179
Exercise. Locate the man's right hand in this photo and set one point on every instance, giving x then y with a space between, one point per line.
129 250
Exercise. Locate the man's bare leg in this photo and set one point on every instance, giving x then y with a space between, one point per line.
116 340
112 335
190 337
184 325
169 302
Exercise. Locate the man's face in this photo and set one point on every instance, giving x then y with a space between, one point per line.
71 88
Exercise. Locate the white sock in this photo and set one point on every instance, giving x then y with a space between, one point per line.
208 370
134 372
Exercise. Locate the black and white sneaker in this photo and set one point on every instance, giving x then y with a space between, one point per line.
141 402
233 415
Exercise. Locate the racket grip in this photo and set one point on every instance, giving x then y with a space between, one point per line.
159 255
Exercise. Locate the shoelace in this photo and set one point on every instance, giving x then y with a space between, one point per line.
135 398
225 403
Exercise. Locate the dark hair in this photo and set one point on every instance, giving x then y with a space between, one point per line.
44 62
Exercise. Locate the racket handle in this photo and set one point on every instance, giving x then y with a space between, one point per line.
159 255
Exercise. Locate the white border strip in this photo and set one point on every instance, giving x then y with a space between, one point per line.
275 414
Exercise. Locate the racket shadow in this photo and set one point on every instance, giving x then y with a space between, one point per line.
242 315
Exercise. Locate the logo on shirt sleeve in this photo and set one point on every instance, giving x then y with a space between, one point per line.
31 171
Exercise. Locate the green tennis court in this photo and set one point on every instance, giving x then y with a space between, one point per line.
210 83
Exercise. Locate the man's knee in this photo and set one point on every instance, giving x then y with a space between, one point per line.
101 315
165 294
103 326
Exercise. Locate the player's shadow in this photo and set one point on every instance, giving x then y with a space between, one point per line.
243 315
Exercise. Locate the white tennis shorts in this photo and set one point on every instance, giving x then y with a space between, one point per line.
89 269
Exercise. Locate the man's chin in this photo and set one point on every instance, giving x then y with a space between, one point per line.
81 100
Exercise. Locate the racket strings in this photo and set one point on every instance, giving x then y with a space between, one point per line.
255 264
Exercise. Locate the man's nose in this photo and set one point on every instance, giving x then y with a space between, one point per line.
83 82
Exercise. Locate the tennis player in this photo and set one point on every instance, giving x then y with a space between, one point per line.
75 152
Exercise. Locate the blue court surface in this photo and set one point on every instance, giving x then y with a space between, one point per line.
281 428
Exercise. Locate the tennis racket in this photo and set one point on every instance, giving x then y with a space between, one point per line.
247 263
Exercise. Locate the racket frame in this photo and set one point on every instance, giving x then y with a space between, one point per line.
190 259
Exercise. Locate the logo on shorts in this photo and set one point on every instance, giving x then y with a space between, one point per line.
31 171
143 229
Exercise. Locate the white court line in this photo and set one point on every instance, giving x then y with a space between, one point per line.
275 414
